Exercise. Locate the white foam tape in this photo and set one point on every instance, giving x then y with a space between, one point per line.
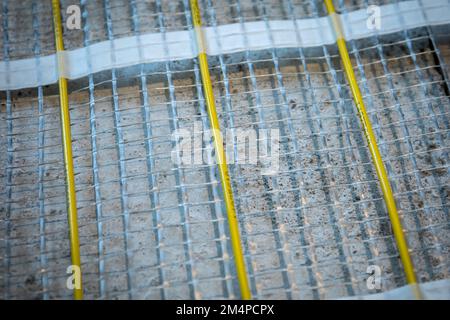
224 39
434 290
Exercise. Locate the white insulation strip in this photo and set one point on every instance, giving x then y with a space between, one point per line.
224 39
434 290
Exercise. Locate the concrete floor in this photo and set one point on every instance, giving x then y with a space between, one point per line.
150 229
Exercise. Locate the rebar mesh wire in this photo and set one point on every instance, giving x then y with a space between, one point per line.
150 228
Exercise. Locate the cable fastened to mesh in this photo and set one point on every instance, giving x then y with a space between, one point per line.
67 151
397 228
220 154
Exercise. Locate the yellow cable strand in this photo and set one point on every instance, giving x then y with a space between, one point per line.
67 150
375 153
221 159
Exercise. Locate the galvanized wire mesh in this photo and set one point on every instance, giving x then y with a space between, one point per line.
153 228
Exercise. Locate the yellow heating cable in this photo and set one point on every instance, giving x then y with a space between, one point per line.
221 159
375 153
67 150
